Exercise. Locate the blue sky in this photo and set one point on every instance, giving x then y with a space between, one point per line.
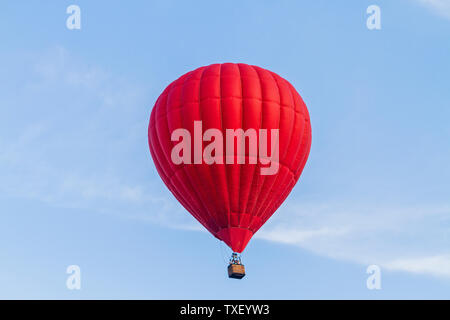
77 184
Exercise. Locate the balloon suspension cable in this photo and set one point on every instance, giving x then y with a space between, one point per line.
235 258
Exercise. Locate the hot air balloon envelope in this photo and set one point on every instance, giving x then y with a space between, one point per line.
202 135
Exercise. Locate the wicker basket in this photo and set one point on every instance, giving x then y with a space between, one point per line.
236 271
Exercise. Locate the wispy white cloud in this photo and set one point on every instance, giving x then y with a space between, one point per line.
438 265
410 239
299 236
441 7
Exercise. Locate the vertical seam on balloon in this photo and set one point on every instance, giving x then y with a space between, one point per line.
240 166
293 109
258 167
208 171
205 206
268 193
287 188
249 184
222 173
266 206
225 163
257 207
263 206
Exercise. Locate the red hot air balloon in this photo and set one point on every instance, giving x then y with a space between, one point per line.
229 193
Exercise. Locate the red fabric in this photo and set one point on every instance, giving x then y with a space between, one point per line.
232 201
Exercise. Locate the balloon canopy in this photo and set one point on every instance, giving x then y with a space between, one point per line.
196 131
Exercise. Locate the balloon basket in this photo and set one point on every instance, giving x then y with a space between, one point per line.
236 269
